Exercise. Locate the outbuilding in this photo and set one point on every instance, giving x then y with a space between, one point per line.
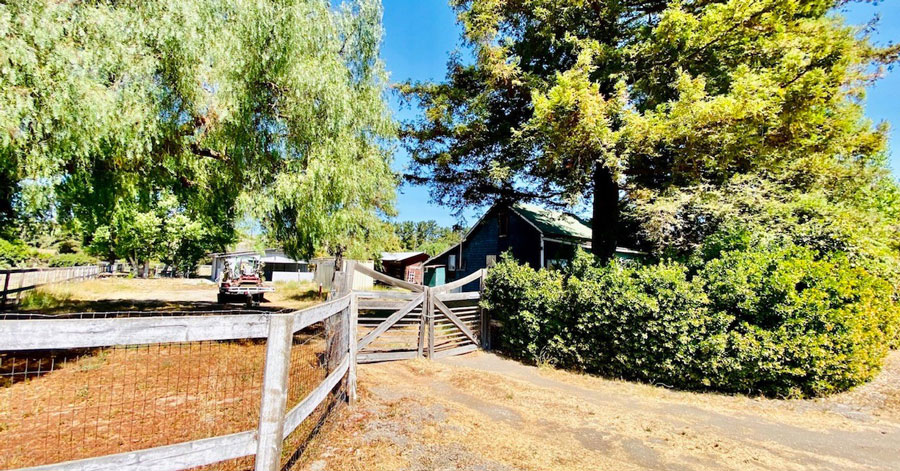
404 265
540 237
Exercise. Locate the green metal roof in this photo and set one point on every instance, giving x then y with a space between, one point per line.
554 223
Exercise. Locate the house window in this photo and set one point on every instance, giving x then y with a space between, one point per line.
503 223
558 263
451 262
490 261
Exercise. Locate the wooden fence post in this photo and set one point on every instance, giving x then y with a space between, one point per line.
5 289
274 392
351 372
21 282
485 318
352 333
423 324
429 305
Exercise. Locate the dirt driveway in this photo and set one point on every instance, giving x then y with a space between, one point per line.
483 412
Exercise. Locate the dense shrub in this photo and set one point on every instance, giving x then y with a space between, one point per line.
801 325
71 260
13 253
758 320
526 301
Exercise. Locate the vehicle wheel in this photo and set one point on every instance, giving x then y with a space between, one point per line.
221 298
258 298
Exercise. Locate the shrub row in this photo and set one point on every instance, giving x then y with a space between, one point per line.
16 253
774 322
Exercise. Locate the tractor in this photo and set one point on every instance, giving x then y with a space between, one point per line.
242 279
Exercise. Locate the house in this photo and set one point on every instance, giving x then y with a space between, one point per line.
404 265
278 266
534 235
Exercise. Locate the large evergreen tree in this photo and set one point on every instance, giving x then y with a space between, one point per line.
273 107
574 99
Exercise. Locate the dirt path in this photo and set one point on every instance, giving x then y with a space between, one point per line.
480 411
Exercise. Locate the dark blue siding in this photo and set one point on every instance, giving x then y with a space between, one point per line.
522 239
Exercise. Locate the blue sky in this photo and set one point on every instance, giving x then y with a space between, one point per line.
420 35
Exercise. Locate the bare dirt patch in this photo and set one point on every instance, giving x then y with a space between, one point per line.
480 411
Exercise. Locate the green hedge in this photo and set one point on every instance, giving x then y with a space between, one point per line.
776 322
71 260
13 253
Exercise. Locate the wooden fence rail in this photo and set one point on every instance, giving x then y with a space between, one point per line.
18 280
275 423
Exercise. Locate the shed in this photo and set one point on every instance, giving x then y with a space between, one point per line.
540 237
404 265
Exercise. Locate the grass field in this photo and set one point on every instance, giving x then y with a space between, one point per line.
111 294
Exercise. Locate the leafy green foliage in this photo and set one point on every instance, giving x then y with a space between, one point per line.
565 98
13 253
71 260
426 236
111 111
762 320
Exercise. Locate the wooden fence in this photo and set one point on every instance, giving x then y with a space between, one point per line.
438 322
275 423
19 280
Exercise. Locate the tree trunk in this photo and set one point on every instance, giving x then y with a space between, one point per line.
606 213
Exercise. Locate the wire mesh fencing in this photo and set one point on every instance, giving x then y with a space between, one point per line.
128 394
66 405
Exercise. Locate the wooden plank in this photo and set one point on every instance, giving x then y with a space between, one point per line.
388 279
301 411
166 458
455 351
385 356
376 305
386 295
460 282
459 324
274 393
420 348
391 321
467 296
86 333
306 317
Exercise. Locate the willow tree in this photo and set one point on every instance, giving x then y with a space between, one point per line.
230 106
573 100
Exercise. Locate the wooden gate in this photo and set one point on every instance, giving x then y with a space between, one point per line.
408 320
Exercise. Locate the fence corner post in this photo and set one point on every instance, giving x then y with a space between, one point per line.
354 344
274 392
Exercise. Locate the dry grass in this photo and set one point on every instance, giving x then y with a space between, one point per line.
482 412
115 294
